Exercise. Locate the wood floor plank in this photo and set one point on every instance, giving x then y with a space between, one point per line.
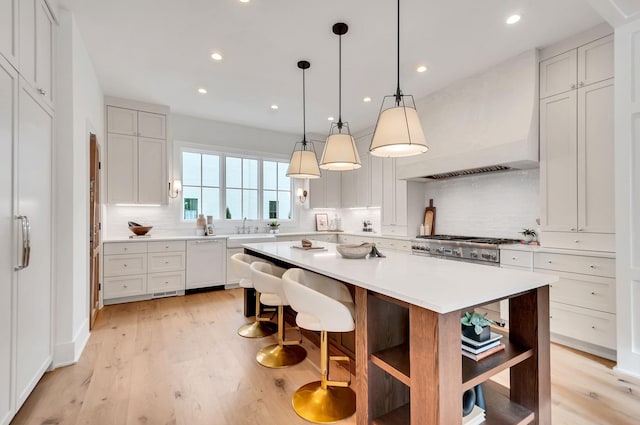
180 361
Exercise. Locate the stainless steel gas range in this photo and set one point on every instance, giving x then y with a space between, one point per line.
469 249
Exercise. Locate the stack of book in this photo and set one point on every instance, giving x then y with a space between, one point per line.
479 350
476 416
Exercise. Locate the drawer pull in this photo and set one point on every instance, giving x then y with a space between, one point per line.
166 246
573 229
124 265
549 261
593 293
593 327
166 283
166 262
576 241
125 286
514 258
580 229
126 249
592 266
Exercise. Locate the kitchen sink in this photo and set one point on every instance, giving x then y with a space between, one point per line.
236 241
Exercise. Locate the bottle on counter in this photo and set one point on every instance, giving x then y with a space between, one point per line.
211 230
201 225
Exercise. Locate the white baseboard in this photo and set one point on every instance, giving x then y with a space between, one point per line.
596 350
68 353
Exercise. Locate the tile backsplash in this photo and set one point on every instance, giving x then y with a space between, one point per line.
498 204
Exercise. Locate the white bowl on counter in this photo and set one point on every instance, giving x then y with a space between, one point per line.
354 250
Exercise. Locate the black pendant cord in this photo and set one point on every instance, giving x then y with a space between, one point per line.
304 114
340 83
398 92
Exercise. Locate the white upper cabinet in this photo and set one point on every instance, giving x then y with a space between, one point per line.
558 74
326 192
36 47
375 177
576 68
9 30
394 199
595 61
356 185
136 156
122 121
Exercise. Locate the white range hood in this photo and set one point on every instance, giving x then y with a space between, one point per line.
485 123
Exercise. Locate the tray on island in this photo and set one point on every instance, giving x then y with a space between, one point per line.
310 248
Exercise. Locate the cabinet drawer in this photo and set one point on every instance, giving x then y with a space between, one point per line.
512 257
402 245
128 286
582 324
577 240
125 248
168 246
354 239
122 265
164 282
593 292
166 262
596 266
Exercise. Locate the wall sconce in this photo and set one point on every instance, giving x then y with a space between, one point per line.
302 195
177 187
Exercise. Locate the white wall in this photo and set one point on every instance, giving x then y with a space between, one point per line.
497 205
79 111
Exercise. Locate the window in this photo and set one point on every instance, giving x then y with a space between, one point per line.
276 190
200 185
234 187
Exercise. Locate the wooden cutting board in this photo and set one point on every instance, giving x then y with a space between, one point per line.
430 219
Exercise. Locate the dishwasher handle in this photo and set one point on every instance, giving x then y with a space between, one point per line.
26 242
210 241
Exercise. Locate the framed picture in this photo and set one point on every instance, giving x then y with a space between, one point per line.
322 222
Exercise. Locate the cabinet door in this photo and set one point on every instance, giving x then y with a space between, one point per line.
316 192
152 125
595 158
375 176
350 188
401 200
33 295
558 74
27 15
151 171
9 31
333 192
206 263
122 172
363 182
122 121
595 61
558 162
44 51
8 115
388 192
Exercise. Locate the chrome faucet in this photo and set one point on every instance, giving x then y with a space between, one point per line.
244 227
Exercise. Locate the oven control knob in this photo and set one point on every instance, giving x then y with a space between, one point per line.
494 257
439 251
426 248
474 254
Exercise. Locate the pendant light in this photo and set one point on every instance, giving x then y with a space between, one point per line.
304 162
398 130
340 151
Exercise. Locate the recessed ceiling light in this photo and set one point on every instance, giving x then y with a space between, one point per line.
421 68
274 106
513 19
330 118
244 1
202 90
366 99
216 56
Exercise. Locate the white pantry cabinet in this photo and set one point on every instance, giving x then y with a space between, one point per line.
36 47
326 192
576 157
394 200
9 30
26 135
136 156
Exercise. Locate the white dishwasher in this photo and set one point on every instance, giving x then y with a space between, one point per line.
206 263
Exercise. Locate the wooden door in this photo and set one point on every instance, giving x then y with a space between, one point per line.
558 162
595 158
558 74
95 227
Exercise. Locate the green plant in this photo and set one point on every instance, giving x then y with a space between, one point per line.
478 321
529 233
228 214
274 223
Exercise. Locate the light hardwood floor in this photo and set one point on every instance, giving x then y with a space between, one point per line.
179 361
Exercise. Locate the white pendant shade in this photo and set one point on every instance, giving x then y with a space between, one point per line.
340 153
303 165
398 133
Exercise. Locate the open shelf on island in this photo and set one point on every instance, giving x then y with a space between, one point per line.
474 373
394 361
399 416
501 410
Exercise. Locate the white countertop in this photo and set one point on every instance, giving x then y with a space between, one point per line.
438 285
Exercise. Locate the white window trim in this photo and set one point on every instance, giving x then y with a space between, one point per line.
223 151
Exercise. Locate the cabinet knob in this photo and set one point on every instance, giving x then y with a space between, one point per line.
42 92
573 229
125 286
125 265
166 262
593 293
593 327
514 258
576 241
581 83
550 286
592 266
580 229
573 86
166 283
549 261
126 249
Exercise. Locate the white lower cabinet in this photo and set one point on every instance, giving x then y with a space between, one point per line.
594 327
206 263
141 270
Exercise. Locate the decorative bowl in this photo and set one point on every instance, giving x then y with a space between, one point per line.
354 250
140 230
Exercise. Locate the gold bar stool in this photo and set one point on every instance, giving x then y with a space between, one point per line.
267 278
324 305
261 327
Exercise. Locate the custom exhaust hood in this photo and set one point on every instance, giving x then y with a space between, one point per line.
485 123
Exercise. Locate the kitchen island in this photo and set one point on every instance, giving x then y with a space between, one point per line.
409 367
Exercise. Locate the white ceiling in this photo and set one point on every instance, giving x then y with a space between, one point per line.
157 51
